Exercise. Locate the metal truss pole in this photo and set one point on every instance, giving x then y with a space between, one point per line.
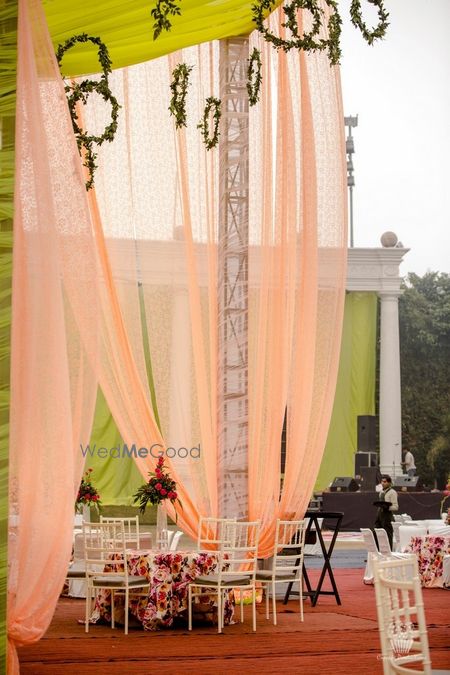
233 280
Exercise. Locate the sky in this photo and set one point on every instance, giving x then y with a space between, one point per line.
400 90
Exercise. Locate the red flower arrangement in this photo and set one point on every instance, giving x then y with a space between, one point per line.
159 487
87 493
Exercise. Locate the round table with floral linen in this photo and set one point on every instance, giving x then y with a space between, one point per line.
169 574
430 550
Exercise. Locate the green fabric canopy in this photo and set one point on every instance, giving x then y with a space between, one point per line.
127 28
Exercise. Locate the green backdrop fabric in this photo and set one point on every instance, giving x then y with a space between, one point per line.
116 479
127 28
8 50
355 389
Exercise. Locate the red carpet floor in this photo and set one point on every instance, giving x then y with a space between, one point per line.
332 639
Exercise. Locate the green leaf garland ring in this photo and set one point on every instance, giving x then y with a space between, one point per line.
309 41
211 141
80 92
178 87
356 18
163 9
254 77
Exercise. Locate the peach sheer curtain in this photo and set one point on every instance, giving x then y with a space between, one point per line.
53 388
76 298
158 194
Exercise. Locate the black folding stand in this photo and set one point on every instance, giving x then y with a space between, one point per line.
313 594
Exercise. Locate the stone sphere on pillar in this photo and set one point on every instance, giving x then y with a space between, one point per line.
389 239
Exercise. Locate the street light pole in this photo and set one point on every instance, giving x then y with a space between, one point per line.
350 122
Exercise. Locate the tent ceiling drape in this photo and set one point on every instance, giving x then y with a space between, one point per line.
127 28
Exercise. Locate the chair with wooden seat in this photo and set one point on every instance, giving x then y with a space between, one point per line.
287 562
401 617
236 568
105 550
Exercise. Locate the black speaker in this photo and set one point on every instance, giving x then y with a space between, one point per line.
408 483
369 478
367 433
344 484
364 459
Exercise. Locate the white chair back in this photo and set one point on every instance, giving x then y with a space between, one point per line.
131 529
372 552
446 571
369 540
383 541
441 530
213 533
241 557
175 540
401 617
78 547
396 535
406 532
314 549
289 546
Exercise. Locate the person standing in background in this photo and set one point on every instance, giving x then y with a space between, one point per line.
385 515
409 463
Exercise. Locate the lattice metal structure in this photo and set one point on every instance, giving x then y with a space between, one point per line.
233 280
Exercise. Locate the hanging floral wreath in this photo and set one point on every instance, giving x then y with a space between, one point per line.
356 18
80 92
211 141
308 41
178 88
254 77
163 9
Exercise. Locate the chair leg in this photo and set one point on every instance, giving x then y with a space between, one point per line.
189 607
112 609
254 606
88 608
219 609
126 611
274 604
300 594
267 593
242 605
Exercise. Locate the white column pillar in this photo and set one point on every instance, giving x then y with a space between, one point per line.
390 387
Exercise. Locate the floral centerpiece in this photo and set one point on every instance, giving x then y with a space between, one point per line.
87 494
159 488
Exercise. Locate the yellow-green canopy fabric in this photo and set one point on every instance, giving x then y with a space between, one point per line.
127 28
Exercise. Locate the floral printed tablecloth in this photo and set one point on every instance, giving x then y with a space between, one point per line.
169 574
430 551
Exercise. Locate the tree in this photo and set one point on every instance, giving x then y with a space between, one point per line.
424 312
